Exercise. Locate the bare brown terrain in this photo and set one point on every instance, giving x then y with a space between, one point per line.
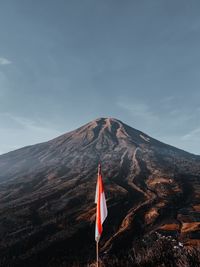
47 210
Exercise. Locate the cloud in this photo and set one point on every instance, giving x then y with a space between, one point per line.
194 135
32 125
17 131
141 113
4 61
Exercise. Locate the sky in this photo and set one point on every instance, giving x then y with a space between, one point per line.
64 63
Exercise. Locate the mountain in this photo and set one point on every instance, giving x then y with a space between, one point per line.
47 210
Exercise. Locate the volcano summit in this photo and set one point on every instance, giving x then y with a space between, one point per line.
47 210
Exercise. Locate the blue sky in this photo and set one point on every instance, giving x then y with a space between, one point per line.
64 63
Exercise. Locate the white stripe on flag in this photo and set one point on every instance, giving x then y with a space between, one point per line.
104 211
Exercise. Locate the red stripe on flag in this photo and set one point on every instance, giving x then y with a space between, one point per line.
101 212
100 191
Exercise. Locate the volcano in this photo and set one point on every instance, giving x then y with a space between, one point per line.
47 210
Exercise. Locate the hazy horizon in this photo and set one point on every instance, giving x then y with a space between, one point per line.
65 63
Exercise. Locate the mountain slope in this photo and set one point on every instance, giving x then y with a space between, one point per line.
47 209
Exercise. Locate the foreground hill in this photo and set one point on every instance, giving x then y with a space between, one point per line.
47 209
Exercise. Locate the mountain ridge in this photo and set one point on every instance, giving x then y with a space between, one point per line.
111 119
97 133
47 193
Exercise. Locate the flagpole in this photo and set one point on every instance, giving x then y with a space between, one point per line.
97 252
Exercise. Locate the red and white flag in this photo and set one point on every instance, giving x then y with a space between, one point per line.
100 200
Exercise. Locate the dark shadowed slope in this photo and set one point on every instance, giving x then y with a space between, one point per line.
47 209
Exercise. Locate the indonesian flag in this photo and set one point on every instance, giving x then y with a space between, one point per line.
100 200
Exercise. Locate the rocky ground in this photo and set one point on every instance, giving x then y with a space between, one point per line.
47 210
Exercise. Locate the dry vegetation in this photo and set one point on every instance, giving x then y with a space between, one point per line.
163 252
